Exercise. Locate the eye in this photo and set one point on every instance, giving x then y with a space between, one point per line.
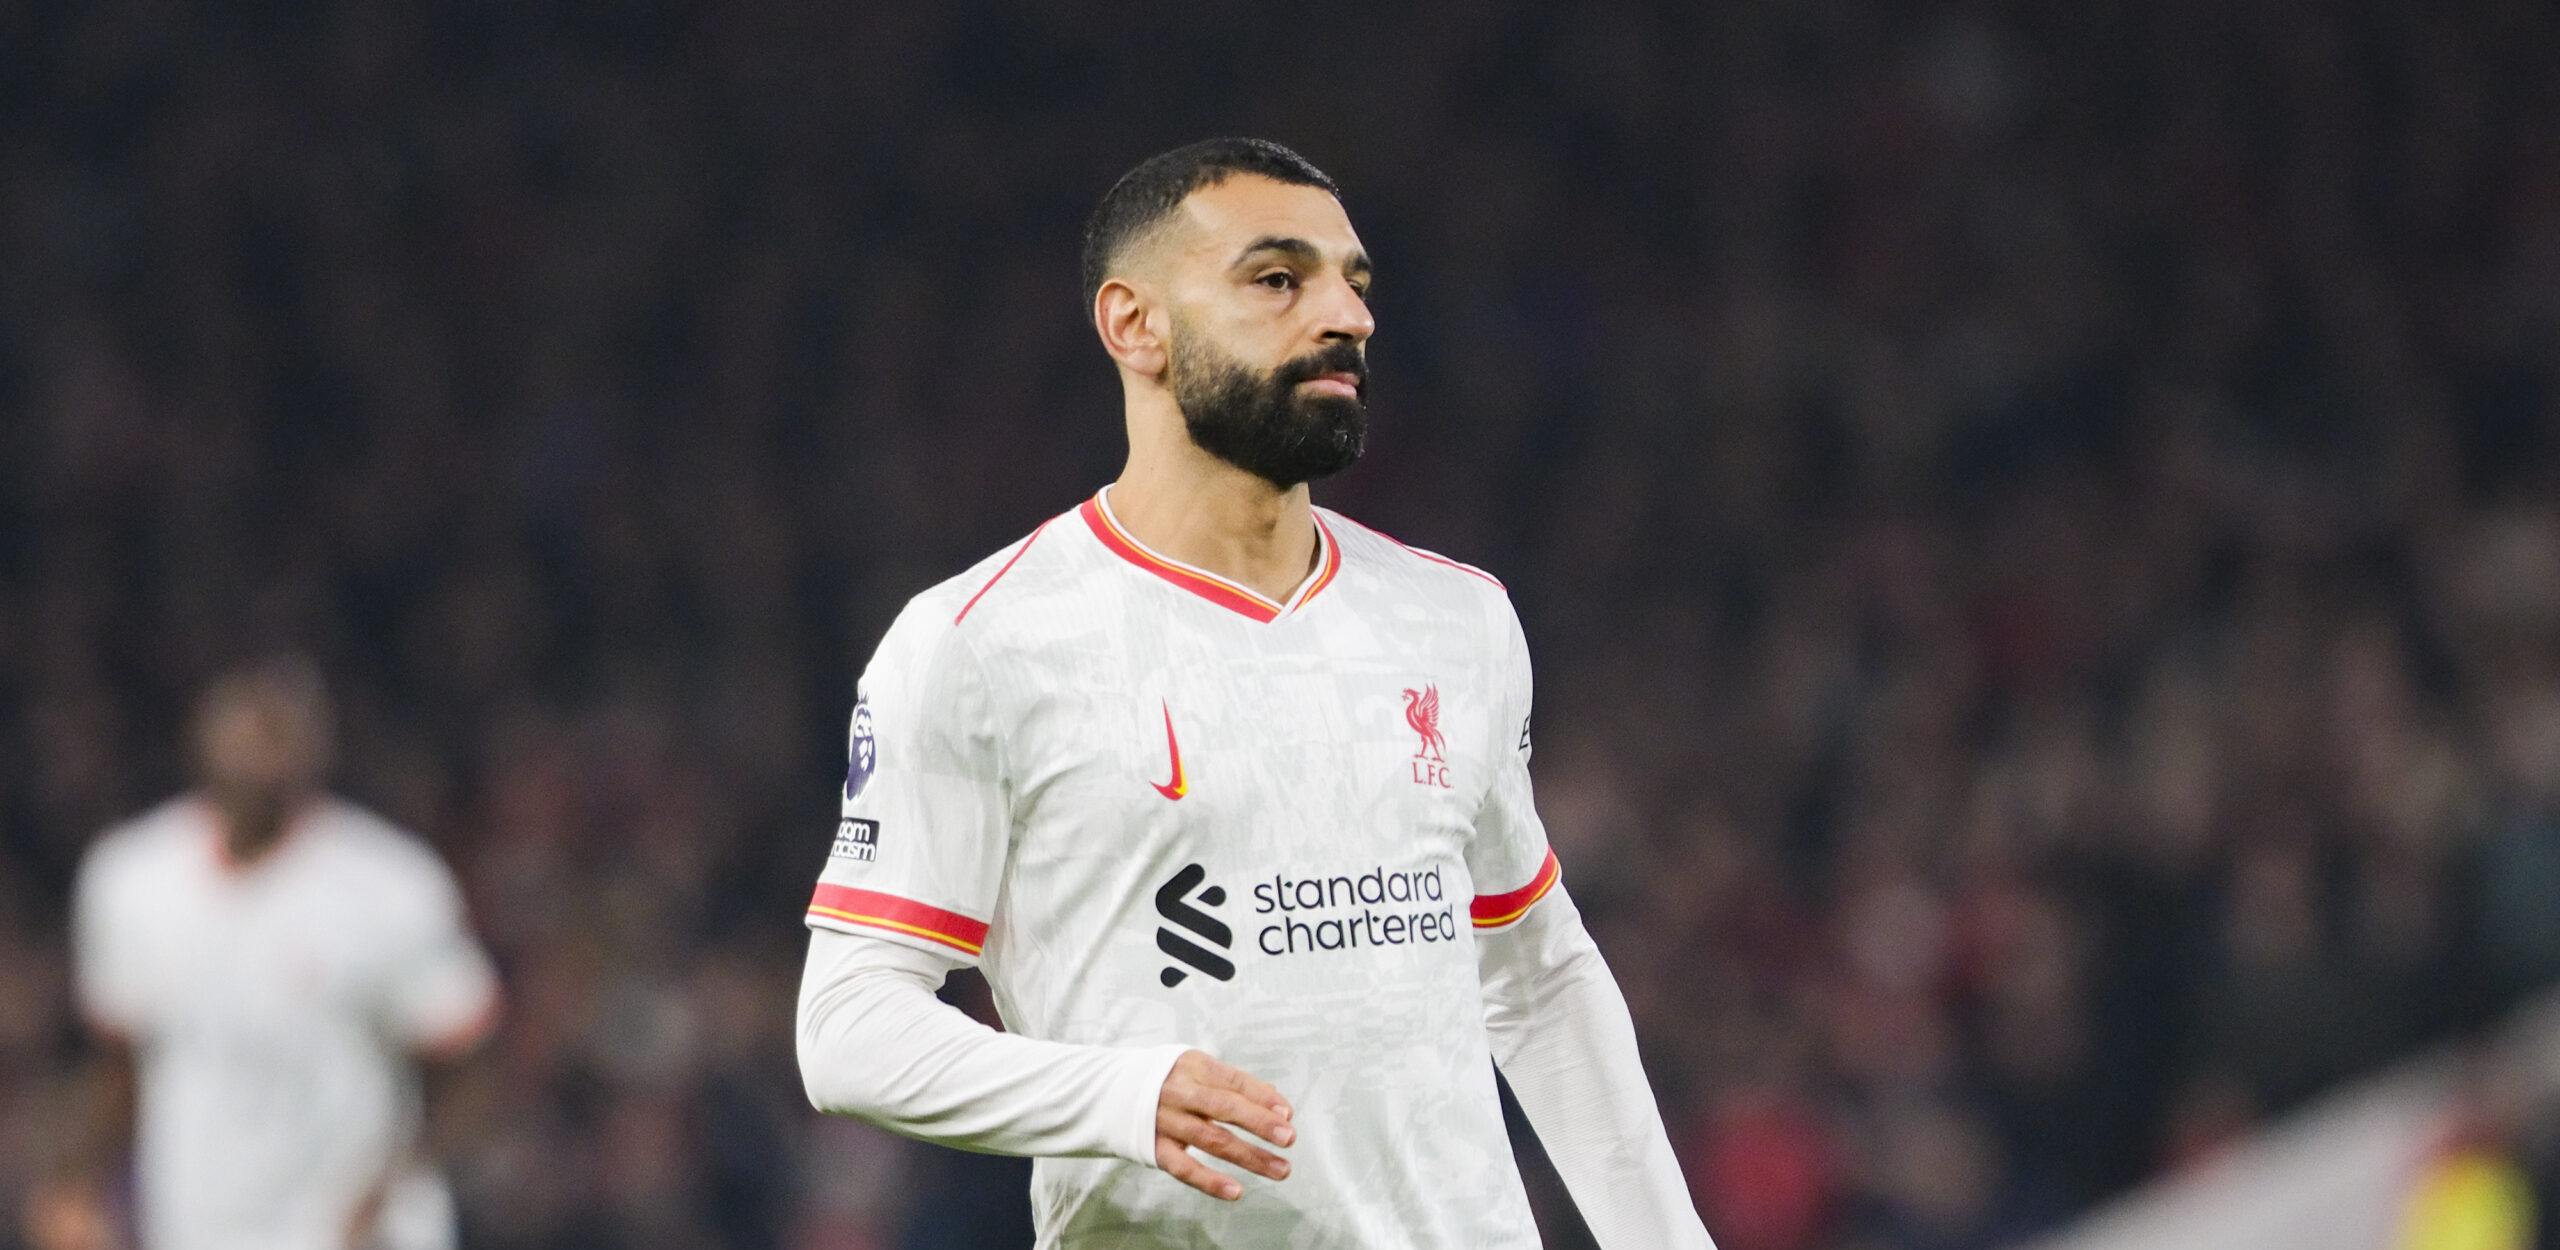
1278 280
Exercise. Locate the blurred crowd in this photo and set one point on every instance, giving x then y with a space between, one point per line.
2039 524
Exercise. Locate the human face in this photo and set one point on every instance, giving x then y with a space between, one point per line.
260 750
1270 321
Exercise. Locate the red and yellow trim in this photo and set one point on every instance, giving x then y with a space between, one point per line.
1209 586
1493 911
897 915
1332 562
1437 558
1008 567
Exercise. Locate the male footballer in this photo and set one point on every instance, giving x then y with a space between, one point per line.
266 968
1228 797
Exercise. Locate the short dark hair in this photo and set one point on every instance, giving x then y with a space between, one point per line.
1145 196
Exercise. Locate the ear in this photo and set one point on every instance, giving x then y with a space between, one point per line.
1133 327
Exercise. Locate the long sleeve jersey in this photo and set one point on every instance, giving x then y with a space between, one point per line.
1162 812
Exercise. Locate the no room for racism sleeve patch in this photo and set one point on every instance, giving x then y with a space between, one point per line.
857 839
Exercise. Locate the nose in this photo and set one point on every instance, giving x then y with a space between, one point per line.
1341 314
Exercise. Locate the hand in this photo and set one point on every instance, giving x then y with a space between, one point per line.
68 1217
363 1221
1201 1097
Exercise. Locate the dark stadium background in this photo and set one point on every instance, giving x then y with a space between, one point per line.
2039 523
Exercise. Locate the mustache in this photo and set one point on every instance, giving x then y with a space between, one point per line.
1343 357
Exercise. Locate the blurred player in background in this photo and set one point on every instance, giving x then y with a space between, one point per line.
264 968
1229 797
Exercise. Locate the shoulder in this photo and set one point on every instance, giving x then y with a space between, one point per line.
1022 582
168 838
360 841
1012 594
1415 570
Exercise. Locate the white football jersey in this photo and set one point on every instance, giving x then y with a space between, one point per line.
273 1010
1157 807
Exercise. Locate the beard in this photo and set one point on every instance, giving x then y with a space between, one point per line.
1259 422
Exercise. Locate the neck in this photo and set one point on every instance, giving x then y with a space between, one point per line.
254 825
1209 514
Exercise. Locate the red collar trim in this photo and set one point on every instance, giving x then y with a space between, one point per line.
1332 560
1210 586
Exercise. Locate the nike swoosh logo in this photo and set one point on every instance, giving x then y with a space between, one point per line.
1175 788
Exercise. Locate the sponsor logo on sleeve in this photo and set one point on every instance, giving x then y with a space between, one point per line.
863 754
857 840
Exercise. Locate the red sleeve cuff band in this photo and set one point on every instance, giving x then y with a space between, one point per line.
845 905
1493 911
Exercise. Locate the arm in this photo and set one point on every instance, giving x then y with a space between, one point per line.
444 1063
112 979
1562 1037
874 1042
1558 1027
905 897
68 1209
440 1002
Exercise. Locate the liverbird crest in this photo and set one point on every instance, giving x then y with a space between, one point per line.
1422 712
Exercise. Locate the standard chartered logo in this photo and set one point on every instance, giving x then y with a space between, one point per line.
1380 907
1376 908
1171 905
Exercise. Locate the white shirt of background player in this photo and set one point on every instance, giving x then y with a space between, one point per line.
276 962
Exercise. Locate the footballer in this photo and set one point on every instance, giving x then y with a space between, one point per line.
1228 797
265 969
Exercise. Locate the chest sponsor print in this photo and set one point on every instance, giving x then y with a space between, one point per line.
1176 904
1374 908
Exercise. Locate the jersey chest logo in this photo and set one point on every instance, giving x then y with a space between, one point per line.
1177 787
1422 715
1179 912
